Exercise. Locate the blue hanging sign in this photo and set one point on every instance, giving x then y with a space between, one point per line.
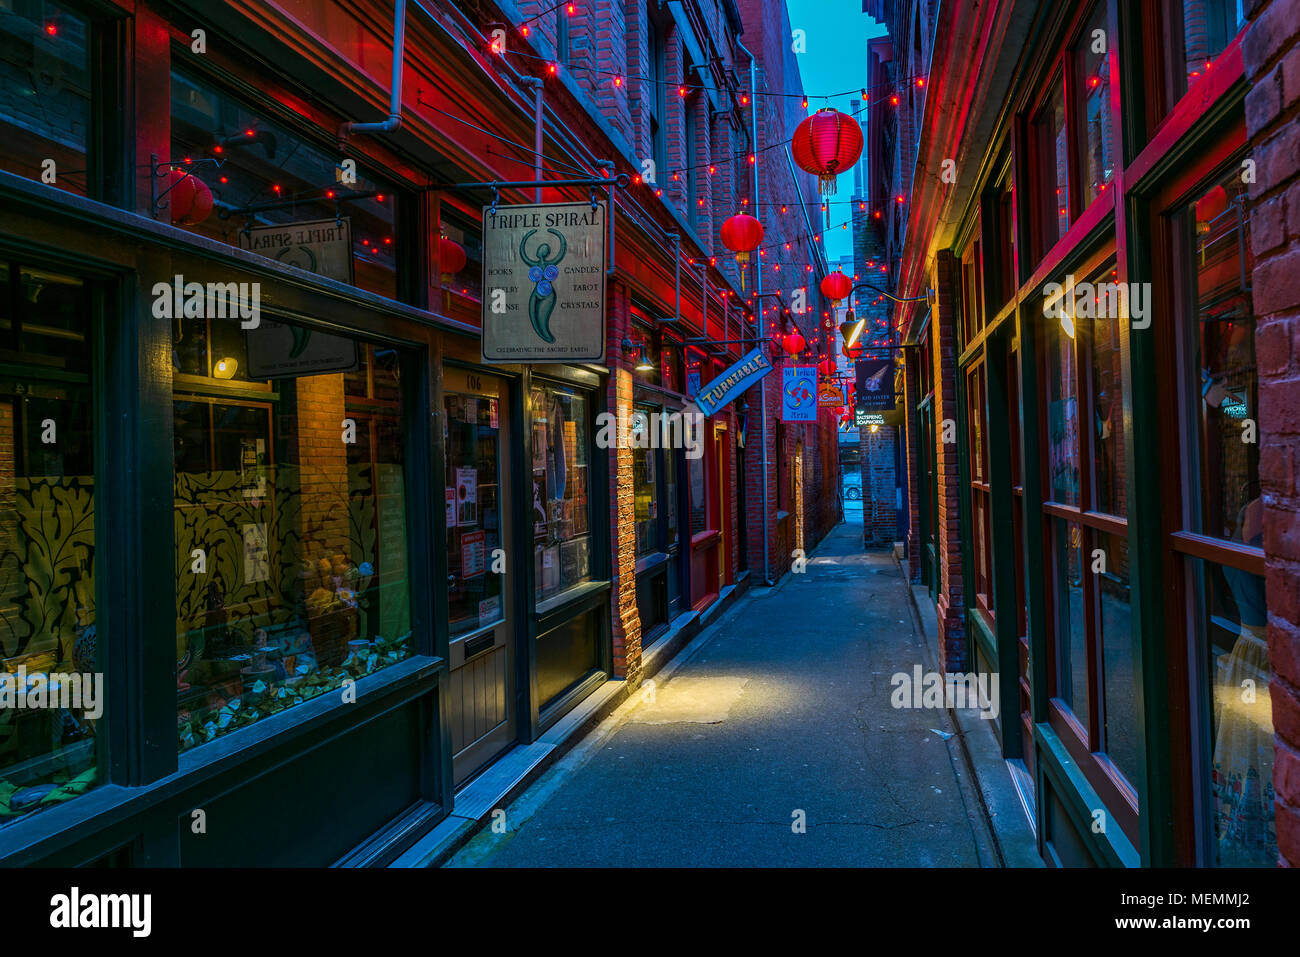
799 394
731 383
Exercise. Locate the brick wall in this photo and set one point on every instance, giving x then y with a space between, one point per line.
1271 51
625 620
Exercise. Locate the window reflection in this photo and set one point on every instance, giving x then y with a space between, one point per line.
1208 26
46 100
1093 81
1062 417
473 510
271 191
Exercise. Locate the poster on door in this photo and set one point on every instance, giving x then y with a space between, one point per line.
451 508
473 554
467 496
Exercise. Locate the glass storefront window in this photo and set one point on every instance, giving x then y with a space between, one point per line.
1208 26
1052 161
1072 635
473 444
45 106
1062 416
1116 639
1096 160
699 514
52 696
561 479
1227 504
1106 371
273 192
645 484
290 519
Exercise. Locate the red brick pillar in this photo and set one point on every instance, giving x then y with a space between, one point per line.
625 621
943 335
1272 61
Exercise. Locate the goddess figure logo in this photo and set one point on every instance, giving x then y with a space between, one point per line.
542 272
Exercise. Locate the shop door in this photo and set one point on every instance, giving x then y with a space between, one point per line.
798 495
482 686
926 496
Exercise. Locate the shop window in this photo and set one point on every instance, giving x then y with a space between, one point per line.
1230 615
1062 417
46 104
645 481
1119 676
290 523
51 687
699 515
972 288
1087 478
273 192
1106 374
561 478
1092 90
980 490
467 233
1051 172
1071 631
1004 241
1198 31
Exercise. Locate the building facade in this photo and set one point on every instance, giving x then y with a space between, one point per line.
240 344
1100 385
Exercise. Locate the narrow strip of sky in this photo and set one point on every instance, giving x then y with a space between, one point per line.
836 33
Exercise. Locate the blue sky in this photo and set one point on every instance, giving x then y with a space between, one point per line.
836 32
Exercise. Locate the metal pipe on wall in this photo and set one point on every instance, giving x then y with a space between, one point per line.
394 120
758 286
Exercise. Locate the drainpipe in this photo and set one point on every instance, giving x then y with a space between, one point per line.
394 120
758 287
539 107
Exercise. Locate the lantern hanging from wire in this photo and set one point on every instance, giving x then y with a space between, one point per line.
827 144
793 342
836 286
742 234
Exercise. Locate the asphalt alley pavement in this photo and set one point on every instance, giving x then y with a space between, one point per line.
777 715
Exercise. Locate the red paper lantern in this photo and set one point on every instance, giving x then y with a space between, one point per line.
836 286
826 367
854 351
451 258
826 144
189 198
793 342
741 234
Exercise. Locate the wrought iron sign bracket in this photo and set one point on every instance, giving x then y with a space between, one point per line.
159 168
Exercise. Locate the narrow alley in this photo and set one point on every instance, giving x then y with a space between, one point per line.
780 713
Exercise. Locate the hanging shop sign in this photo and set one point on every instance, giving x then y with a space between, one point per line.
863 417
544 283
799 394
322 246
733 382
875 384
279 351
830 394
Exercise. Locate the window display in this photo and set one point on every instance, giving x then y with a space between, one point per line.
291 566
561 484
51 693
